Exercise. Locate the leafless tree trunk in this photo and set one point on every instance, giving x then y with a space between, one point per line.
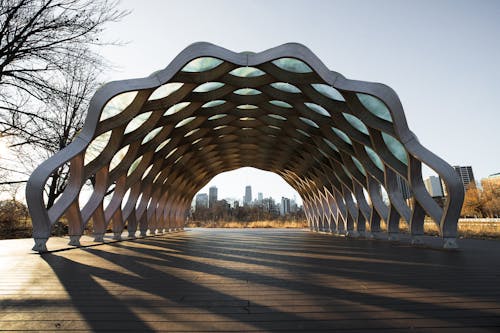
37 40
57 122
48 72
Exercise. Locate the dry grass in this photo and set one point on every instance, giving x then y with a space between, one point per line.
471 229
253 224
466 229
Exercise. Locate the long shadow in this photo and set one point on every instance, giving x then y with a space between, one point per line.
153 272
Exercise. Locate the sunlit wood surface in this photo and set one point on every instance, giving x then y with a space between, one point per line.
251 280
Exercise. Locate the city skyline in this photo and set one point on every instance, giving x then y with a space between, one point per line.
231 185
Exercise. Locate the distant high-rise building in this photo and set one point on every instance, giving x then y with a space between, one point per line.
212 196
465 173
269 205
260 197
433 186
403 187
248 195
293 205
201 201
491 182
285 206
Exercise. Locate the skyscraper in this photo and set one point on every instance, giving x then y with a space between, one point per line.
285 206
260 197
465 173
201 201
212 196
491 180
433 186
248 195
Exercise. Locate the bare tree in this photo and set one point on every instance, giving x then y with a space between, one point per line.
490 198
37 40
472 204
56 123
48 71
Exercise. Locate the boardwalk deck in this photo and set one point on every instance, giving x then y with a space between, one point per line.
251 280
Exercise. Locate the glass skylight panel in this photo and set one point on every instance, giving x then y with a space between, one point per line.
184 122
302 132
292 65
374 157
247 106
323 153
163 144
146 173
342 135
247 91
208 86
286 87
309 122
375 106
176 108
217 116
117 104
165 90
171 153
358 165
318 109
328 91
397 149
280 104
202 64
356 122
247 72
134 165
275 116
347 171
151 135
191 132
96 147
137 121
213 103
196 141
118 157
331 145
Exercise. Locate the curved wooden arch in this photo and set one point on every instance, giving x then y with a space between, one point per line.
336 141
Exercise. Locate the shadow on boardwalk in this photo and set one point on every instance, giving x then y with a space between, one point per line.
269 280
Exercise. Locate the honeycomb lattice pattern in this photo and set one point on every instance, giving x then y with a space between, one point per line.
156 141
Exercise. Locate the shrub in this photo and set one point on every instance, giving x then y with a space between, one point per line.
12 214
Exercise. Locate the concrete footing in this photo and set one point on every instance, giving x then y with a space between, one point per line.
99 237
74 240
40 245
450 243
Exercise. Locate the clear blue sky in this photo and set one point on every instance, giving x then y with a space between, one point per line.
441 57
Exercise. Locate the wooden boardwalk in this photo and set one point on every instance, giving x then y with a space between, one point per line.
251 280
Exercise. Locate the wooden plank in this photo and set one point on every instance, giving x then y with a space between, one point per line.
251 280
